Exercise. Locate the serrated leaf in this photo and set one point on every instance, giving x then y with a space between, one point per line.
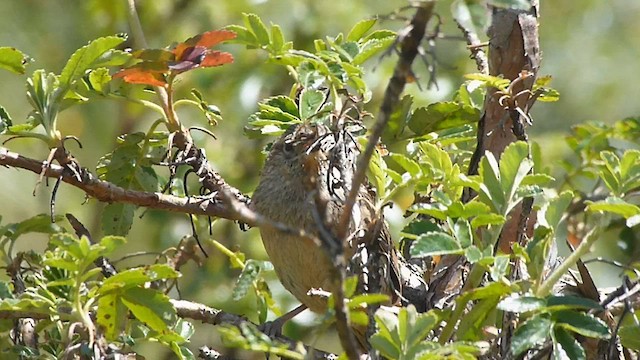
253 22
566 346
277 39
581 323
489 80
99 80
137 277
248 275
360 28
83 59
409 165
243 36
151 307
442 115
530 334
310 102
614 205
463 233
435 243
571 302
514 166
13 60
372 47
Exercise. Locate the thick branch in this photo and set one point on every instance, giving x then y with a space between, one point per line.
228 205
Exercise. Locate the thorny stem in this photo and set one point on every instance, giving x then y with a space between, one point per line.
409 51
582 249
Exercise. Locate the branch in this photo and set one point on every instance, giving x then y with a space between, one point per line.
408 51
475 46
208 315
229 204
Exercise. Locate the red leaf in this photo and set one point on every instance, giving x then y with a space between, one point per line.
216 58
207 40
140 76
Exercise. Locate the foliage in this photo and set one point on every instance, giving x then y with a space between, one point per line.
423 171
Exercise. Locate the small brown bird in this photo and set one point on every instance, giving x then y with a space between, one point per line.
307 163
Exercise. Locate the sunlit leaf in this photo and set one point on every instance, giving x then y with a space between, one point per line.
359 29
435 243
151 307
206 40
13 60
85 57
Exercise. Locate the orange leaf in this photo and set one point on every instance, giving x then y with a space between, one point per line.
216 58
140 76
207 40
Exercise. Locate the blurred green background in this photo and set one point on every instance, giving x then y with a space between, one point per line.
589 47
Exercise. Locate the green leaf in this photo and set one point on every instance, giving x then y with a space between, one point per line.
487 219
5 120
151 307
410 166
111 315
490 81
310 102
500 267
463 233
442 115
360 28
435 243
117 218
13 60
581 323
99 80
571 302
614 205
566 346
470 327
530 334
137 277
85 57
514 166
256 25
554 212
39 224
363 300
277 39
517 303
245 281
372 47
490 191
630 336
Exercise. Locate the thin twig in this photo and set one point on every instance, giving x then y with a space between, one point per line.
409 51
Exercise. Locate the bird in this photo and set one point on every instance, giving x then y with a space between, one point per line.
304 184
